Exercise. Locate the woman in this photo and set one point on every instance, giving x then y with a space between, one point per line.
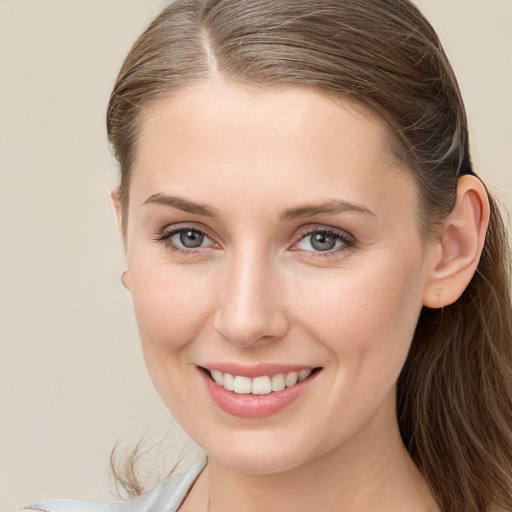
321 282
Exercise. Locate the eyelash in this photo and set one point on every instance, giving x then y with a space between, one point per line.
347 241
169 232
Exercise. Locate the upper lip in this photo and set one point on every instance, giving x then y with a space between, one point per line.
256 370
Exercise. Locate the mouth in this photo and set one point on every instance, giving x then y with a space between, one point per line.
258 391
260 385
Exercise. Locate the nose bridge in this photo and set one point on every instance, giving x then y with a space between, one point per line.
250 307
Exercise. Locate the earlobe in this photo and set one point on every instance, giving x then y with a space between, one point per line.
124 280
455 257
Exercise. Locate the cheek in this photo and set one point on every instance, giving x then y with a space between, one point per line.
366 321
171 306
365 313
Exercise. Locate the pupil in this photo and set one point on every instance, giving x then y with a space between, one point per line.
323 242
191 238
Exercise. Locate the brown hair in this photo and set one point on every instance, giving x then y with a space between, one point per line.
455 391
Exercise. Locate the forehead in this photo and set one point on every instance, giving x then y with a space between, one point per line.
216 136
209 108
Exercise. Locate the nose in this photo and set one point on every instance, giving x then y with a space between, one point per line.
250 308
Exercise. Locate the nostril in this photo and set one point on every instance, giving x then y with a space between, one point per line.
242 328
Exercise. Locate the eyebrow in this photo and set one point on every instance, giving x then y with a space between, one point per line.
333 207
182 204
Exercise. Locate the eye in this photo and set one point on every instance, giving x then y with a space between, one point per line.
185 239
189 238
321 240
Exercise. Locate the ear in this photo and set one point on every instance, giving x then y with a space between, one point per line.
454 258
115 196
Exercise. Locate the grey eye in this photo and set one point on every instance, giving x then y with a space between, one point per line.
189 238
320 241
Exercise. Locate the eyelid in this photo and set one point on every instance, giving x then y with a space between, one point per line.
314 228
164 235
348 239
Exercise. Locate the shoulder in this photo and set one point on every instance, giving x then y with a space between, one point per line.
167 497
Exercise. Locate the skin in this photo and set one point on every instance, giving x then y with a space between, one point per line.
258 291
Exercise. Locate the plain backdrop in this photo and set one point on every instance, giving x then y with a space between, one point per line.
72 378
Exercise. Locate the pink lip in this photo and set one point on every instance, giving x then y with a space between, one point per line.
255 370
255 406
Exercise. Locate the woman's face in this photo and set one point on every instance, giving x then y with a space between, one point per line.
270 233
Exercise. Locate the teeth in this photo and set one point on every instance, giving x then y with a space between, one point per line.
304 374
291 379
229 382
242 385
259 385
218 377
278 382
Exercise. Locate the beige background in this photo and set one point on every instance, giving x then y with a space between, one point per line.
72 380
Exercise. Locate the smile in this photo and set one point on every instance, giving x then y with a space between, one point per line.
256 391
262 385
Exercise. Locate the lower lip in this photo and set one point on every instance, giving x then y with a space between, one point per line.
255 406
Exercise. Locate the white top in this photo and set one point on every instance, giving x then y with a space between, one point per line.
167 497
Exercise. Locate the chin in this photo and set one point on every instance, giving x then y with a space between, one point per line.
259 463
260 454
